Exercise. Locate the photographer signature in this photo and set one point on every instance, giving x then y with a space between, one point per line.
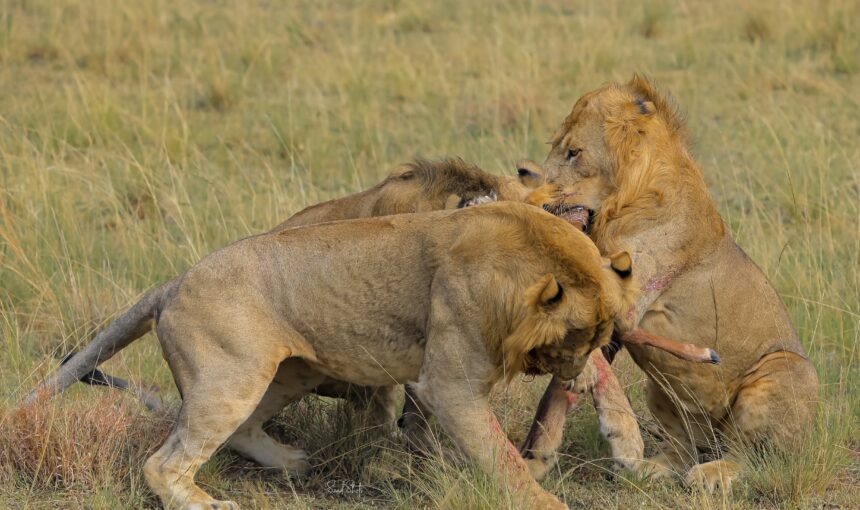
344 487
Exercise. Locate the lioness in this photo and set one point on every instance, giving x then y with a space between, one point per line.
622 154
455 300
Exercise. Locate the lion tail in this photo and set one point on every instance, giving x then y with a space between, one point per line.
127 328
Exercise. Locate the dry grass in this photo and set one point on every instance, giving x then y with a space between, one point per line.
77 447
135 137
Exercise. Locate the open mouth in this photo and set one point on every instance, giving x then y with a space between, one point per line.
577 215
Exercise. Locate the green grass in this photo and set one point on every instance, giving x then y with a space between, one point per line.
136 137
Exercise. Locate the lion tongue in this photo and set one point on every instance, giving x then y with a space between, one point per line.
578 217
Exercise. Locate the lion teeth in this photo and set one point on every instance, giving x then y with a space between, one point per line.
484 199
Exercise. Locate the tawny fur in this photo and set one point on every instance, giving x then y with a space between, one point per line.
420 185
622 152
413 298
416 186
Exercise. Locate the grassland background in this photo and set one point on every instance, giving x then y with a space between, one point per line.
136 137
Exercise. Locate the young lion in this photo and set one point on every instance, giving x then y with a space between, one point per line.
417 186
455 300
621 153
420 185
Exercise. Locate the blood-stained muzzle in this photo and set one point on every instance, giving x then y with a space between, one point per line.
577 215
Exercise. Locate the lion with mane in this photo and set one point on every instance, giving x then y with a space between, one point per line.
622 154
451 300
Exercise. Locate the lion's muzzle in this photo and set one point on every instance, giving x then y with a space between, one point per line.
577 215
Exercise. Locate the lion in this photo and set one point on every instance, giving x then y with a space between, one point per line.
419 185
622 154
454 301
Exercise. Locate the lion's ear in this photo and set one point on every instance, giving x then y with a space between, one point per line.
646 95
529 173
546 293
454 201
645 107
403 171
621 263
642 87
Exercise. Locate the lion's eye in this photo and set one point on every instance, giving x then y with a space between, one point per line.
572 154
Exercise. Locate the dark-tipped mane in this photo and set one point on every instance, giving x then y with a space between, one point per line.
453 175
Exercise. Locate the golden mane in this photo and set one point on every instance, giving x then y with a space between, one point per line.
518 323
645 131
533 329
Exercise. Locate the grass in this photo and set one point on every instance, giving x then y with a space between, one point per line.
136 137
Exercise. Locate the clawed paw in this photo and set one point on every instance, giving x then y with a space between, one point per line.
656 468
294 461
213 505
711 476
539 465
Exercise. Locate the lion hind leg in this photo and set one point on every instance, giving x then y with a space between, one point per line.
220 392
776 403
293 379
775 406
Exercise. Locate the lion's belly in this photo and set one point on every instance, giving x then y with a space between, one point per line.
368 343
379 362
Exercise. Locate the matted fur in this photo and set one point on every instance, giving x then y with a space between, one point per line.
418 186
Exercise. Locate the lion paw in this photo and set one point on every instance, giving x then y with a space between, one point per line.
656 468
549 502
294 461
712 475
266 452
539 465
213 505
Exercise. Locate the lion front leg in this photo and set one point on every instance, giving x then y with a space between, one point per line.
545 435
454 384
378 403
617 421
415 423
468 419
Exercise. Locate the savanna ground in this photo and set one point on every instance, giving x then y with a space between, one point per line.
135 137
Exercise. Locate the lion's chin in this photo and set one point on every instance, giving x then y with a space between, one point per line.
577 215
559 362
